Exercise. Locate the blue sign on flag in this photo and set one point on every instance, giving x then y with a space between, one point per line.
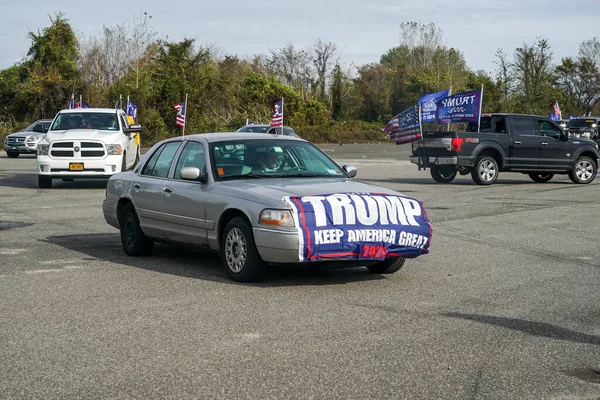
428 105
459 107
360 226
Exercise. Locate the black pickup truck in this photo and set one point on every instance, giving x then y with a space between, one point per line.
527 144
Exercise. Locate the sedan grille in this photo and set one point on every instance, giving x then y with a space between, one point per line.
15 140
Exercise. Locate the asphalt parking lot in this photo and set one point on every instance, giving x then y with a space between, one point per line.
505 305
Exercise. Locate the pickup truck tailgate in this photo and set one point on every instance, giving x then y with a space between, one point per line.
434 143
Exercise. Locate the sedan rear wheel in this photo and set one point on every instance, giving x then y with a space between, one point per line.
240 256
134 242
541 178
388 266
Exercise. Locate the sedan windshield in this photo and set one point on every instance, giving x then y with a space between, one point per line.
105 121
251 159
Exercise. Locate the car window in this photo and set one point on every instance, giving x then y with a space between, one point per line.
524 126
547 129
160 161
254 128
275 157
191 156
493 124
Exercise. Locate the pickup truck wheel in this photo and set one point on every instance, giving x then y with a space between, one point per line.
12 154
134 242
443 174
541 178
239 253
584 170
44 182
389 266
485 171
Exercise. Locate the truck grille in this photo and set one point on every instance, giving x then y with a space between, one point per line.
77 149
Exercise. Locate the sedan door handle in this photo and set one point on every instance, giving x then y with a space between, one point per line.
544 144
168 190
137 186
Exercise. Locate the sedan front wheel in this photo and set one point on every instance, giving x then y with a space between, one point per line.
239 253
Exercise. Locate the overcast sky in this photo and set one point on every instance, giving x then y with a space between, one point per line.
363 30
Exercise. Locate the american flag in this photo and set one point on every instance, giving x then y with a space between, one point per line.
180 119
557 113
404 127
119 104
277 118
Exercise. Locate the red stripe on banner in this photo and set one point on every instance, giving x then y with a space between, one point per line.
335 255
304 225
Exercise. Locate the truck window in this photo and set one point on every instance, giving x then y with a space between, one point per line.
524 126
547 129
491 124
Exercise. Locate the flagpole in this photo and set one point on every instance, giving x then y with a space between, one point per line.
480 105
184 117
80 101
449 94
282 115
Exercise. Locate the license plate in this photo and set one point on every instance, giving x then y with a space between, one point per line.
432 159
76 167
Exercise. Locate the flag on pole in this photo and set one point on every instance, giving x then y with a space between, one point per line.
180 119
119 105
405 127
277 118
428 105
131 110
557 113
72 102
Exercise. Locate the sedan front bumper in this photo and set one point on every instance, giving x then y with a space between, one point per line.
277 246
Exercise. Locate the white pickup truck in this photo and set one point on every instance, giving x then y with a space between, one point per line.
87 143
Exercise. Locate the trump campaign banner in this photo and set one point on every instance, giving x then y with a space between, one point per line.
404 127
460 107
428 104
360 226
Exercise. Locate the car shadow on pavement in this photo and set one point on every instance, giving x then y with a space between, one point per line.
463 182
530 327
29 181
198 263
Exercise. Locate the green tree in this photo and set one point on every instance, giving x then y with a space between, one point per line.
52 74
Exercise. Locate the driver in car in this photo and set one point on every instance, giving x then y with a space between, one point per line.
269 162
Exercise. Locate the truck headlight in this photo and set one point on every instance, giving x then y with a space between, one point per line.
276 217
43 149
114 149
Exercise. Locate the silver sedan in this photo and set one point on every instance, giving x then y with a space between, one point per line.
261 199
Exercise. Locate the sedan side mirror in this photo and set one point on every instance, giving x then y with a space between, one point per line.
193 174
40 128
350 170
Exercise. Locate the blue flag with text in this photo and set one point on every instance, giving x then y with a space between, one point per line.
428 104
360 226
459 107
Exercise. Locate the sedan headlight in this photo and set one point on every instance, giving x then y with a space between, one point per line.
276 217
43 149
32 138
114 149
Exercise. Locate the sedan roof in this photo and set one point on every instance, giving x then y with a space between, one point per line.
227 136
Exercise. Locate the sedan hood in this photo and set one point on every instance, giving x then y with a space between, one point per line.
278 188
82 134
